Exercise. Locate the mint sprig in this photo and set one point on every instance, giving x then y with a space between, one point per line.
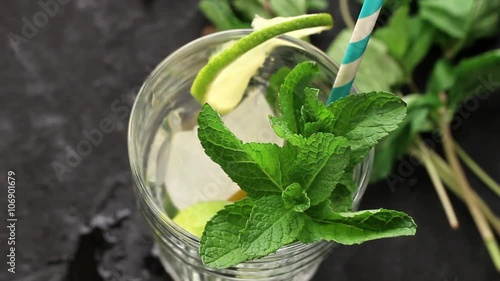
303 190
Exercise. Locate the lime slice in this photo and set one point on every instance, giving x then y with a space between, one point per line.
194 218
259 23
228 89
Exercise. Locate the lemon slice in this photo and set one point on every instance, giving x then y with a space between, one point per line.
222 82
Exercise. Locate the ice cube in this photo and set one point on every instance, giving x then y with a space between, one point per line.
191 176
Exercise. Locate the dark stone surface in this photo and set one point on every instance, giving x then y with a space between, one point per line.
84 226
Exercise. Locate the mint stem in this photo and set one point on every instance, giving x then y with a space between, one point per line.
346 14
444 171
267 7
412 85
477 215
438 185
478 171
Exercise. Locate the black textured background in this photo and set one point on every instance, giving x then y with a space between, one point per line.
86 227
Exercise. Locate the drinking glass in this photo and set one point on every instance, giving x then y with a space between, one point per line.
164 108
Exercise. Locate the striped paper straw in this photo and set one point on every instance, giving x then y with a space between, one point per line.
356 48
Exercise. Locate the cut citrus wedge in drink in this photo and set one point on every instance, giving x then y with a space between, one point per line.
222 82
259 23
194 218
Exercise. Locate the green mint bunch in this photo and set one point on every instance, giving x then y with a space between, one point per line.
301 191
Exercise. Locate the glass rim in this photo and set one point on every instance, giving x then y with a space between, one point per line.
139 180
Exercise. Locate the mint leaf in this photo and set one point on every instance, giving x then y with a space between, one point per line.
474 76
447 15
366 118
219 12
317 4
270 227
340 201
421 36
396 144
274 86
484 19
313 109
267 155
464 22
317 118
281 128
321 211
288 8
343 194
255 167
296 198
442 77
379 71
357 227
395 34
320 163
292 96
287 157
220 246
408 38
386 157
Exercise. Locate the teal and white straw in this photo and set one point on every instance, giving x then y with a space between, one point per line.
357 46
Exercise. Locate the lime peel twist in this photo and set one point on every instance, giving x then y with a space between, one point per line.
210 71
